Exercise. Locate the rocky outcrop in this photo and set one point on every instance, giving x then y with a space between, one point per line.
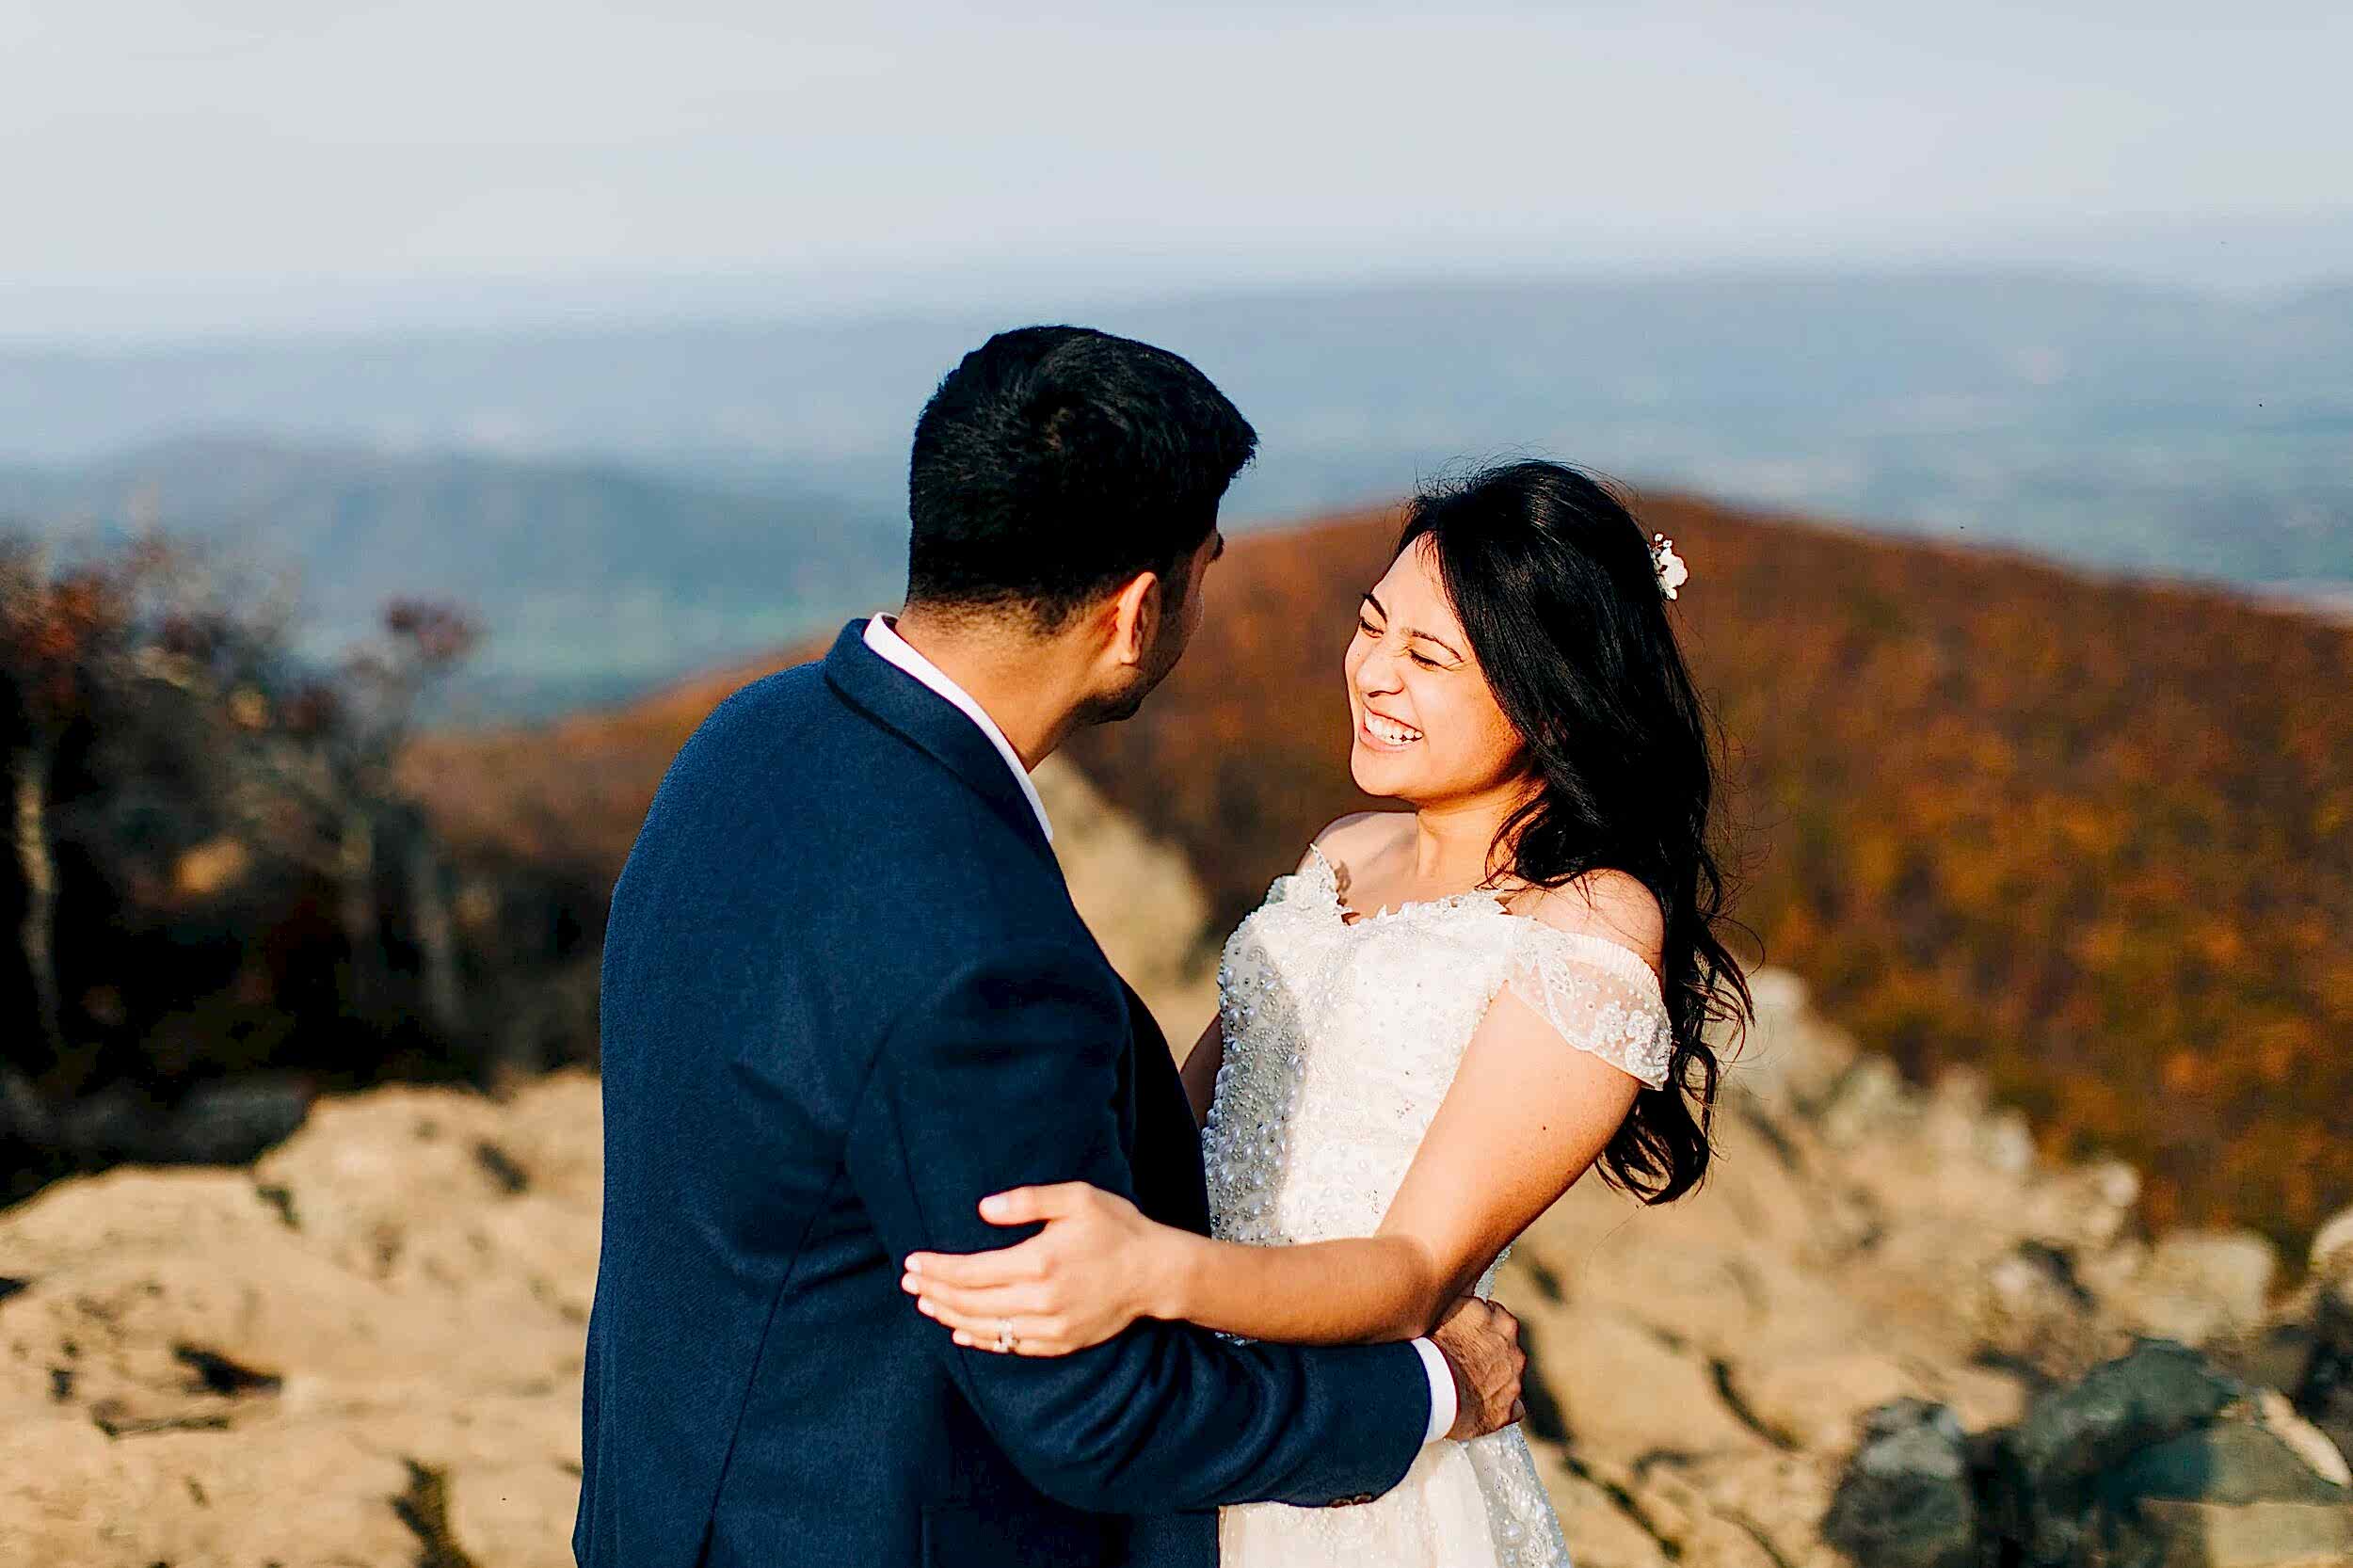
1140 899
2155 1460
1884 1331
364 1349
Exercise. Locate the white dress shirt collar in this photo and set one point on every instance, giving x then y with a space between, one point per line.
884 638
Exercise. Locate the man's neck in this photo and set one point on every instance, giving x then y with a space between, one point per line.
1020 684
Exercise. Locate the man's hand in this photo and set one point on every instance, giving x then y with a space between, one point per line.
1481 1342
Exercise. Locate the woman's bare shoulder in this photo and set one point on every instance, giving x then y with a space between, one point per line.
1606 902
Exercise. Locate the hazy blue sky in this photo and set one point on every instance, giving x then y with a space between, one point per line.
250 160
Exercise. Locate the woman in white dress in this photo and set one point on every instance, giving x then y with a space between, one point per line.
1387 1097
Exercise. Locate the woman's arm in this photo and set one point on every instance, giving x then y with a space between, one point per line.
1200 1070
1523 1117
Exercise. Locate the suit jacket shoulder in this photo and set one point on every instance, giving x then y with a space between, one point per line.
846 827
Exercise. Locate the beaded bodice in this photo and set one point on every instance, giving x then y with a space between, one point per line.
1342 1038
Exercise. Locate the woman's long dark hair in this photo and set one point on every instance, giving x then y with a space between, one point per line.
1553 581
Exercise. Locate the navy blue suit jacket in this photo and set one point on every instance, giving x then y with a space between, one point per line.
845 996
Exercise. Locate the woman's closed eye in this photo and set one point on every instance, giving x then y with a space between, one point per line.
1366 629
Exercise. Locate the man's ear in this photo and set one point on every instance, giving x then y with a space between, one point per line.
1135 614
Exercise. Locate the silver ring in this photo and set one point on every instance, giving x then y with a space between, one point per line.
1005 1338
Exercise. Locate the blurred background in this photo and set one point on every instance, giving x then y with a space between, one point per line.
414 419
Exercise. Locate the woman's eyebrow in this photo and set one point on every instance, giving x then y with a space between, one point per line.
1411 633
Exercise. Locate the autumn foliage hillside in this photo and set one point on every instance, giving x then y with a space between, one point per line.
2095 838
568 794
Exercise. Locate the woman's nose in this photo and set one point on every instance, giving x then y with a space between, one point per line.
1377 671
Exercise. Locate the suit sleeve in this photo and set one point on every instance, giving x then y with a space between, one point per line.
1007 1078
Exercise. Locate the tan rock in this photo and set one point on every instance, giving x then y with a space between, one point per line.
2251 1535
1743 1508
130 1209
370 1175
2006 1143
1817 1400
1140 898
2032 1310
2200 1285
2090 1210
1981 1396
1597 1528
462 1348
279 1495
1625 1391
503 1513
1791 1059
1867 1100
74 1496
2333 1247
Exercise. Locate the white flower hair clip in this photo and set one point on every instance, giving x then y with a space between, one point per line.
1673 573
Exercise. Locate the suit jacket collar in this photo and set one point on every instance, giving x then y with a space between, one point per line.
903 704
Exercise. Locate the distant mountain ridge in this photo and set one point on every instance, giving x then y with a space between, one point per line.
748 479
2115 425
594 579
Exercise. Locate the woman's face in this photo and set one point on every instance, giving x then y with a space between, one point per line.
1427 727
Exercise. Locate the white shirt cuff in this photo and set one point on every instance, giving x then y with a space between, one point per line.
1442 1398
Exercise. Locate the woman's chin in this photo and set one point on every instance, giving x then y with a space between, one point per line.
1377 774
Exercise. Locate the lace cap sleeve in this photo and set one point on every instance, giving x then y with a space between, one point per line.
1599 996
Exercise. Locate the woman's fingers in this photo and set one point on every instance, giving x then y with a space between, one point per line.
977 1318
1001 1266
977 1301
1024 1205
981 1329
1031 1335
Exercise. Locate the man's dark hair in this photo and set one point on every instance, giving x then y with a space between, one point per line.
1056 463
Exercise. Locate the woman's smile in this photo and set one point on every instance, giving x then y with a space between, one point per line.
1382 733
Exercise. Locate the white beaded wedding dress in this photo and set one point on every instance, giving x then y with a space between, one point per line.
1340 1039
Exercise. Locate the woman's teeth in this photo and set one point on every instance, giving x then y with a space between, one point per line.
1389 732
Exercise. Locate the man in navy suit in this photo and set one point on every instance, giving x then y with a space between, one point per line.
845 996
